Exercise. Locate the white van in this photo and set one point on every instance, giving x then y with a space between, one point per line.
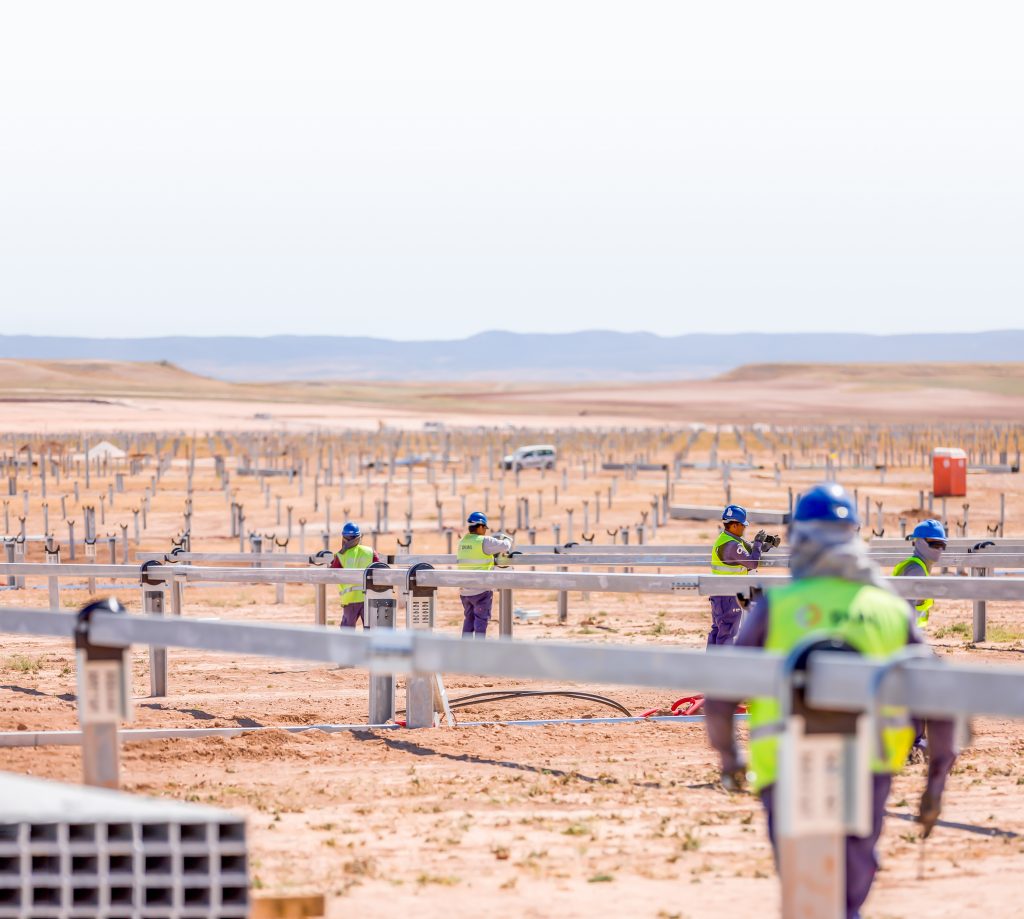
535 456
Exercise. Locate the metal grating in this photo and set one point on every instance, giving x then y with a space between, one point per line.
67 851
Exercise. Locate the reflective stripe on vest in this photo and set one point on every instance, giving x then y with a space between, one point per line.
356 557
717 565
924 605
471 555
870 619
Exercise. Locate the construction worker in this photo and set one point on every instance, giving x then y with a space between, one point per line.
731 554
929 543
476 553
352 555
836 592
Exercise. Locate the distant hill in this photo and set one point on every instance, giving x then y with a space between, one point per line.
781 392
510 356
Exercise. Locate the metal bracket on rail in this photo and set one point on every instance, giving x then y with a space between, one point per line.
320 557
368 576
410 576
144 576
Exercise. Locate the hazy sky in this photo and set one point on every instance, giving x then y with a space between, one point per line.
430 169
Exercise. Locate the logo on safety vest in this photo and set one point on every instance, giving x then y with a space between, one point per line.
809 615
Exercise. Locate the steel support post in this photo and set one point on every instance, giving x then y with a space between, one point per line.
53 558
823 793
505 612
101 755
153 604
563 603
9 557
103 700
979 608
419 687
19 554
321 604
379 613
177 596
90 556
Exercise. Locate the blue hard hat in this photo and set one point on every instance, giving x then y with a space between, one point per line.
929 529
829 502
351 530
735 514
477 519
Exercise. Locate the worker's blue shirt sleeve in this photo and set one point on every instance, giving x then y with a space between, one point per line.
717 712
735 553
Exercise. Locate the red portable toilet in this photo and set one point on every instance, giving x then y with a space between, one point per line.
949 472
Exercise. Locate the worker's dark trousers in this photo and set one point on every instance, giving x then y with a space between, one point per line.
477 610
725 620
861 860
351 614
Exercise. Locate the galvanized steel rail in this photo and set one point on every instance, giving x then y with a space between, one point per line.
953 588
928 686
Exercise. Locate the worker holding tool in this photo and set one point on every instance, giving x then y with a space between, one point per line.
352 555
836 592
929 543
732 554
476 553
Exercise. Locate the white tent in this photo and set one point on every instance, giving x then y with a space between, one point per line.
106 449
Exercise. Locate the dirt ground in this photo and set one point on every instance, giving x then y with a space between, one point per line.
566 820
538 821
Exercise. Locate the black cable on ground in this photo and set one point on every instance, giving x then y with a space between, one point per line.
499 695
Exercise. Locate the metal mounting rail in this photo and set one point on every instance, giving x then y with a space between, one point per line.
930 687
951 588
527 557
652 558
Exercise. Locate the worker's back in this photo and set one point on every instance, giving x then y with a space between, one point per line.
870 619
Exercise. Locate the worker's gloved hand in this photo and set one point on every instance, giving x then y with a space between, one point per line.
733 771
928 814
734 781
759 536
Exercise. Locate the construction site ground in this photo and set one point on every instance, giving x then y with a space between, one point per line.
556 820
570 820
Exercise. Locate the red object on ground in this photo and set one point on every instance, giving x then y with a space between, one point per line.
687 705
949 472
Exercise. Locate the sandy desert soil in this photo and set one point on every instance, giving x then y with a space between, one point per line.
536 821
594 820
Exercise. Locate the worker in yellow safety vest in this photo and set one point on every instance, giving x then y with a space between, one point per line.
352 555
731 554
929 543
476 553
836 592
